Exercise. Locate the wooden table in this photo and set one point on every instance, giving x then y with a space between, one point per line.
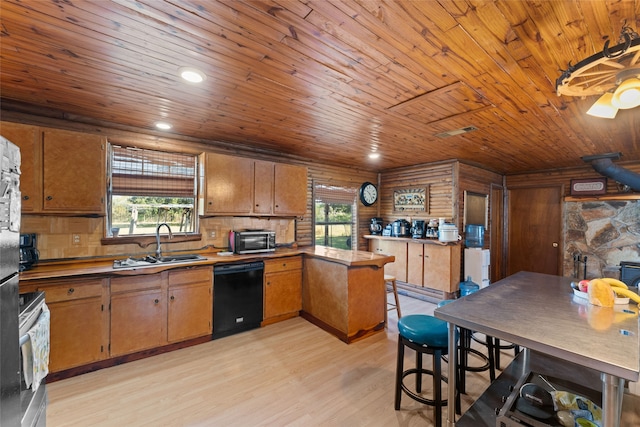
540 312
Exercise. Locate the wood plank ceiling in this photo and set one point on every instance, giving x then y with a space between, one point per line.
327 80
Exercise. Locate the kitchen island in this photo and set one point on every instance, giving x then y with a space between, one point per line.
343 291
541 313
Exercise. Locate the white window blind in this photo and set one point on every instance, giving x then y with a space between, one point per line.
141 172
335 194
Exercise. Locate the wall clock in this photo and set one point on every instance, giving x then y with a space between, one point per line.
368 194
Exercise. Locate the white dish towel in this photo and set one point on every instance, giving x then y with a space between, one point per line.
35 352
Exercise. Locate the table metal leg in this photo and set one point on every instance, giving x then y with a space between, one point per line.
453 363
612 395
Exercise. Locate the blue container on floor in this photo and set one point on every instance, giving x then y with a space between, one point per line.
468 287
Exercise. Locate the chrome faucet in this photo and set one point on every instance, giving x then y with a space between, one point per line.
158 249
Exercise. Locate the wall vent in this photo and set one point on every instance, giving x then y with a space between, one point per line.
456 132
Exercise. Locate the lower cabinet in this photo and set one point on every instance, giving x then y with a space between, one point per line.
79 321
149 311
398 249
430 265
282 288
138 313
190 305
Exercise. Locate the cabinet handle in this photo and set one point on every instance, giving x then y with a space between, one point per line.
284 264
268 283
172 298
70 291
210 203
25 198
49 197
156 301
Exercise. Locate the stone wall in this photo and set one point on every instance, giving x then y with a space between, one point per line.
605 232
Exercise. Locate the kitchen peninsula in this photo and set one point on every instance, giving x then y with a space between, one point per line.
347 284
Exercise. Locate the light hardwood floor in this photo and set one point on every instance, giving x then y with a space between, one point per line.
287 374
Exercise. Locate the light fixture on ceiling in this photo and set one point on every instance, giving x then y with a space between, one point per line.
192 75
614 74
163 126
374 156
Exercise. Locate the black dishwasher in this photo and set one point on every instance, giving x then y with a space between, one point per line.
237 298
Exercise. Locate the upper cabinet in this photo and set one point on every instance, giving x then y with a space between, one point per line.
63 172
243 186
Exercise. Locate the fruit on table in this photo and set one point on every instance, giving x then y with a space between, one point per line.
615 283
601 293
583 285
626 293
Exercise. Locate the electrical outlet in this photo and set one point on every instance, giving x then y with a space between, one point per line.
76 239
212 234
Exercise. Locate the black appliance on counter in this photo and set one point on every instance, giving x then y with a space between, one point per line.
14 400
237 297
375 227
400 228
28 252
630 273
417 229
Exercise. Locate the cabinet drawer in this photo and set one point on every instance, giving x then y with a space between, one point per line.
72 290
135 283
282 264
189 275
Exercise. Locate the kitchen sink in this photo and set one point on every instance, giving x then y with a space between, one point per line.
151 260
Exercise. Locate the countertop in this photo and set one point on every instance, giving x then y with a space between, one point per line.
540 312
104 267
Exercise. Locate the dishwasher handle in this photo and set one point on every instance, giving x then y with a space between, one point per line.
237 268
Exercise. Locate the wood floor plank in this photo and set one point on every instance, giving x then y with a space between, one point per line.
287 374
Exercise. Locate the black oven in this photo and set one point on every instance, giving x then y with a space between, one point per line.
32 314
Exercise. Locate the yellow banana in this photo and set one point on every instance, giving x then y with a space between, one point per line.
626 293
615 283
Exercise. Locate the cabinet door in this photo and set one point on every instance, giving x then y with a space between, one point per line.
415 263
229 184
137 320
263 188
74 177
79 322
190 310
398 249
438 267
282 293
290 190
28 139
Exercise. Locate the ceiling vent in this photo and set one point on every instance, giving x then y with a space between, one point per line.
456 132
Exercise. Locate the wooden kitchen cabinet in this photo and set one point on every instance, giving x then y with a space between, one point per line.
243 186
396 248
229 184
290 190
190 303
434 266
28 139
79 321
282 288
138 313
82 187
48 183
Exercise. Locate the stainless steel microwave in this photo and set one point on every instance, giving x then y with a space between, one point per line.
251 242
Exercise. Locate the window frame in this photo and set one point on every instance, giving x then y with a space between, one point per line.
144 240
343 188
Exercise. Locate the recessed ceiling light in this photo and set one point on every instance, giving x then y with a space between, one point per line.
192 75
374 155
163 126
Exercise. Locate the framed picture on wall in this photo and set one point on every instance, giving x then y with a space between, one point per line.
411 200
476 208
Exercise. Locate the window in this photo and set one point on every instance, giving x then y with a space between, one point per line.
334 215
148 188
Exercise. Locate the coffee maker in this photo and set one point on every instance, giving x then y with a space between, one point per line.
376 226
417 229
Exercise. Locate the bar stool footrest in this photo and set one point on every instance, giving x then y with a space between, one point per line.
416 396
